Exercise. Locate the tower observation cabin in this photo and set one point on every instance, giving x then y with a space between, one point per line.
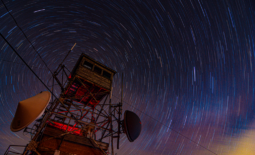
96 78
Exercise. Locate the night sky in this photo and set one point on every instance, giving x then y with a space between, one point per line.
188 66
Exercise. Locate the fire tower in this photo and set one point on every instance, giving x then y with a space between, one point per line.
79 121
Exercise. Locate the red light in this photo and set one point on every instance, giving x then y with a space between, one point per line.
63 127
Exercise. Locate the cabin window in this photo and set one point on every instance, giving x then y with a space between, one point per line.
106 75
97 70
88 65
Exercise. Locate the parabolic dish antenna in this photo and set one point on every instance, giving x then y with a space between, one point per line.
29 110
132 125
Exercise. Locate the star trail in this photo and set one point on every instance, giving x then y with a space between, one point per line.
188 66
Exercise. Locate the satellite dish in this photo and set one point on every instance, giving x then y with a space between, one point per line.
132 125
29 110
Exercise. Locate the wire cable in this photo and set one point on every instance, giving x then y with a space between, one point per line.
24 62
168 127
26 37
36 75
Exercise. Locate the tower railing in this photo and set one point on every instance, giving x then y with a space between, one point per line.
8 151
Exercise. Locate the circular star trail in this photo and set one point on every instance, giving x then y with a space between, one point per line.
188 66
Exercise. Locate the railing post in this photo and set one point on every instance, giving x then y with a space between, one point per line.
6 152
8 149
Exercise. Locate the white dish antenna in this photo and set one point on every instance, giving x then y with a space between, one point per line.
29 110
